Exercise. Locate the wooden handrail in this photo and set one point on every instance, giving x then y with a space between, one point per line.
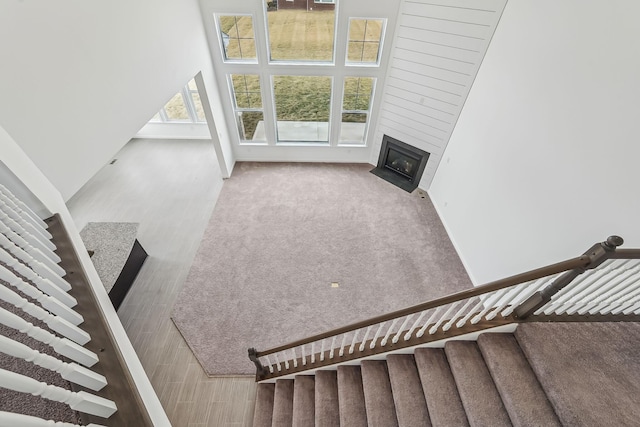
580 262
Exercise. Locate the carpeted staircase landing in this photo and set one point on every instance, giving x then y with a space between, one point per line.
521 379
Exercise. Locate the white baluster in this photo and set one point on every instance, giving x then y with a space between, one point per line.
377 335
420 332
286 360
62 346
313 353
396 337
386 336
508 298
448 325
69 371
34 252
444 317
566 298
525 293
407 336
322 350
460 323
44 285
295 358
623 303
19 203
37 240
304 357
353 341
333 347
37 224
56 323
614 296
633 308
80 401
41 269
572 306
50 303
614 287
364 340
10 419
269 364
489 304
24 240
344 341
275 356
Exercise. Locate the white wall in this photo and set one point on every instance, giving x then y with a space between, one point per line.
23 178
544 159
79 79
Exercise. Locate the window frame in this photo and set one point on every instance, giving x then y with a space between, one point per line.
223 51
383 32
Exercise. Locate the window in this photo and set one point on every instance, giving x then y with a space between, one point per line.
303 105
237 37
247 101
356 107
184 106
365 38
301 34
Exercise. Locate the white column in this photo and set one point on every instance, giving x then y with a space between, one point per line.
80 401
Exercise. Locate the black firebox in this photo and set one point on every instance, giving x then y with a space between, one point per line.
401 164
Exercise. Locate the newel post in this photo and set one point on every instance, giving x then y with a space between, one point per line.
253 356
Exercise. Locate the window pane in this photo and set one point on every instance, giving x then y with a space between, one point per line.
357 93
365 36
353 128
298 34
198 105
251 125
246 91
302 108
175 108
237 36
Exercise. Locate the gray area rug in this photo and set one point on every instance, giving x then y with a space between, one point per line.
282 233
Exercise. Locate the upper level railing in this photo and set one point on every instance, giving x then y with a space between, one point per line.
601 284
41 277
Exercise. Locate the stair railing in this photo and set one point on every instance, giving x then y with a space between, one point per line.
602 284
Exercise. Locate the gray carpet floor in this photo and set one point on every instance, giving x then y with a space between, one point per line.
280 234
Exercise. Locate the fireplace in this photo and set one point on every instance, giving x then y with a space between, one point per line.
401 164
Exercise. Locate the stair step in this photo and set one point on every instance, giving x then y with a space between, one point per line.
351 397
283 404
304 401
477 390
439 387
521 392
264 405
411 408
378 397
326 399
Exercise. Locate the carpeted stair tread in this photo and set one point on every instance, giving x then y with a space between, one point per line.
351 397
477 391
438 385
326 399
589 371
521 393
411 408
304 401
378 397
283 404
262 415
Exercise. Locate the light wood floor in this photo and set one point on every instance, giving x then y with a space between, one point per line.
170 188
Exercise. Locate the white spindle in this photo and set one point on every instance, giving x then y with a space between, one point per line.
275 356
605 290
62 346
396 337
377 335
34 252
507 300
56 323
633 308
80 401
407 336
37 240
333 347
40 268
19 203
620 292
623 303
322 350
69 371
460 323
304 356
572 306
36 232
294 358
10 419
525 293
448 325
353 341
488 304
575 292
286 360
364 340
50 303
269 364
420 332
386 336
313 353
444 317
37 224
25 242
344 342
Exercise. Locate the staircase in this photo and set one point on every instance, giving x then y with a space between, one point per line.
545 374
